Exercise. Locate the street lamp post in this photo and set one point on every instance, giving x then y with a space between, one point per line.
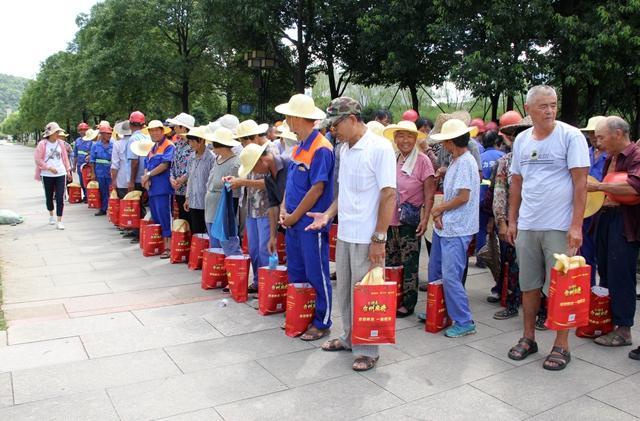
260 61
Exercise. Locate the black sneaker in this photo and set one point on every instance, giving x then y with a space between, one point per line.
252 289
100 213
635 354
129 234
540 323
505 314
493 298
135 240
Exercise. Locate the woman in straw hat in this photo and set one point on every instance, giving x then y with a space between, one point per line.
181 124
200 166
416 187
226 164
455 223
52 165
156 180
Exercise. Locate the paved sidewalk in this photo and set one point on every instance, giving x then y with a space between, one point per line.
98 332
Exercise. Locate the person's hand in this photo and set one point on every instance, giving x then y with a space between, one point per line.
422 227
437 222
272 245
145 179
289 221
69 174
593 186
174 183
574 239
235 182
440 173
320 220
376 255
146 184
512 234
186 205
502 230
436 211
53 170
130 186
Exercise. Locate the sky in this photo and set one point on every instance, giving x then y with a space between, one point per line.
33 30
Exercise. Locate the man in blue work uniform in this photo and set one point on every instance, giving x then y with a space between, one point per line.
101 162
309 188
156 180
136 123
81 150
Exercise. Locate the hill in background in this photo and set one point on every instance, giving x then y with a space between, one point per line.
11 88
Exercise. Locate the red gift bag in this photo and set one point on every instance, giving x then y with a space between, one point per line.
600 321
333 240
93 198
437 317
245 242
374 314
75 194
505 285
395 274
237 268
199 242
180 246
114 211
568 302
152 241
281 247
272 290
174 209
214 274
142 223
129 213
301 308
87 174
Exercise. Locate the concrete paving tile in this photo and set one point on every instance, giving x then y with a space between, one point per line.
418 342
208 414
234 349
120 299
344 398
470 404
145 337
433 373
37 354
27 294
35 312
193 391
181 312
92 406
242 319
314 365
6 392
51 270
97 276
74 258
148 282
613 358
71 327
83 376
584 408
534 389
193 289
23 261
509 325
622 394
3 338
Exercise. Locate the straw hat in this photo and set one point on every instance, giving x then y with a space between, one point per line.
285 133
122 128
249 157
229 121
595 200
450 130
63 134
514 129
302 106
91 134
184 120
404 126
51 128
250 128
200 132
376 127
224 136
142 147
156 124
592 123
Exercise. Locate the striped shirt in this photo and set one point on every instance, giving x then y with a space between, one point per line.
199 169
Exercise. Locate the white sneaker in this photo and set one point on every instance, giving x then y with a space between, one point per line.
60 226
52 220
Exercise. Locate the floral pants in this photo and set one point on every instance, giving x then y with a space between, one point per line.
403 249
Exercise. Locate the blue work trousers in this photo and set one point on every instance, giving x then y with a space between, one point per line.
160 207
231 247
103 184
258 232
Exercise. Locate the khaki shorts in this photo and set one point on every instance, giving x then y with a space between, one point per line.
535 251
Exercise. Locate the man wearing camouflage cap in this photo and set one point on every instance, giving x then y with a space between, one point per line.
367 194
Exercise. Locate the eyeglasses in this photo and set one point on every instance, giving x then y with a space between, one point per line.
338 121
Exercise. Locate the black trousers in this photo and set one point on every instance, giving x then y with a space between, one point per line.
183 214
54 186
197 224
617 260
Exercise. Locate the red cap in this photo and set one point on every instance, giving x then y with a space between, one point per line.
510 117
83 126
137 117
491 126
410 115
479 123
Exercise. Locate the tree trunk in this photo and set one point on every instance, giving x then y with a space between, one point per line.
635 128
184 97
593 100
569 103
415 103
495 99
510 102
229 98
301 68
333 89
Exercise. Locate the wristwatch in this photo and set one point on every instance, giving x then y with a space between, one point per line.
379 237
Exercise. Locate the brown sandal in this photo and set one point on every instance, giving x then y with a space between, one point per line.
313 334
364 363
334 345
559 359
519 352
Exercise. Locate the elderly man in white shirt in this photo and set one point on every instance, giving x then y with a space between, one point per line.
367 197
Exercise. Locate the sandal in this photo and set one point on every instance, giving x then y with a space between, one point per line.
166 254
612 339
364 363
559 357
519 352
313 334
334 345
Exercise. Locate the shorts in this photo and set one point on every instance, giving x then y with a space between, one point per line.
534 250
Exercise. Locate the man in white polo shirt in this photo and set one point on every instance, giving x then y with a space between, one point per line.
367 195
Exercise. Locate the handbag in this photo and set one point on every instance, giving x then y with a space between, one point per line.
409 214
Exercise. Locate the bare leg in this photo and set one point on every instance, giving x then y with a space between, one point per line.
530 307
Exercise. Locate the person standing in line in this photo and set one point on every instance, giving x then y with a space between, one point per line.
181 125
101 152
136 122
119 165
200 165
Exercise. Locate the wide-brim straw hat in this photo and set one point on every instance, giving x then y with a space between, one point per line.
249 157
51 128
404 126
376 127
156 124
461 115
91 134
301 105
284 132
142 147
200 132
184 120
450 130
122 128
250 128
595 200
592 123
514 129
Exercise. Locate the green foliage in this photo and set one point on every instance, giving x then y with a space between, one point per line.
11 88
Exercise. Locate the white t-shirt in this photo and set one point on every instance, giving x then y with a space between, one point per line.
547 187
462 174
53 157
365 169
